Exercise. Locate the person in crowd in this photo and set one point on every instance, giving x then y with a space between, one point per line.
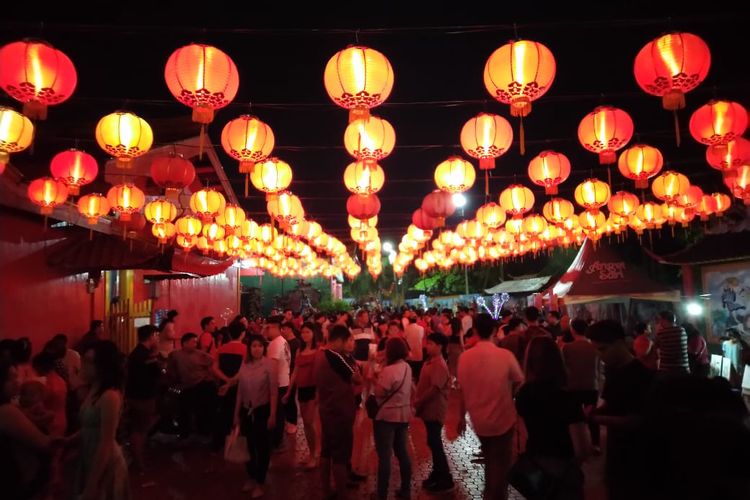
334 376
322 320
343 318
455 345
206 342
582 362
95 334
489 401
363 336
288 316
391 425
515 338
557 434
55 392
190 369
644 349
103 472
289 332
280 356
431 404
298 321
228 359
303 380
68 360
698 358
395 330
381 330
25 449
553 324
143 372
21 358
242 319
466 320
255 411
626 385
671 344
167 334
534 327
414 335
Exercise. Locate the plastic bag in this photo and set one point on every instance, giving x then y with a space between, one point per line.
235 447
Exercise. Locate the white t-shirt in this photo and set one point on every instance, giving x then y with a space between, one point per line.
278 349
466 324
72 362
414 335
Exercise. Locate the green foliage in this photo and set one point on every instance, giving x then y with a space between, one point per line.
333 306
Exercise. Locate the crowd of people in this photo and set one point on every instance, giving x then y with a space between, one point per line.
536 389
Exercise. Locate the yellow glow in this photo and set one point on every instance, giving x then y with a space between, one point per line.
666 49
37 72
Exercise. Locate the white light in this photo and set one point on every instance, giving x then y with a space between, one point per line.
388 247
694 309
459 200
391 258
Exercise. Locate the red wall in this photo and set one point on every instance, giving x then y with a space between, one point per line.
37 301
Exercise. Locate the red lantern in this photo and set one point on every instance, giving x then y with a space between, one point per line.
36 74
438 205
486 137
173 172
549 169
74 169
706 207
729 156
92 206
125 199
48 194
422 221
639 163
363 207
604 131
718 122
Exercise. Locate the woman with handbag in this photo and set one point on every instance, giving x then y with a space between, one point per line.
393 412
558 438
255 411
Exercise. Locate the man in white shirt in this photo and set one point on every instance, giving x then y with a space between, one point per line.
280 356
489 376
363 336
466 321
414 335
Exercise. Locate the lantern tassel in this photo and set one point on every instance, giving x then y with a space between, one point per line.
609 176
676 127
91 234
486 185
247 180
522 137
200 142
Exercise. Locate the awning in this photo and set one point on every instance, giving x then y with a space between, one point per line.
710 249
527 285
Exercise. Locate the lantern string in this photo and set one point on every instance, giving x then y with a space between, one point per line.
676 127
522 137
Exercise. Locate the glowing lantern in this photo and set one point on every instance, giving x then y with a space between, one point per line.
723 202
354 222
207 203
362 178
267 233
491 215
421 220
691 198
92 206
172 172
637 225
213 232
717 123
516 200
418 234
231 218
438 205
188 226
271 176
74 169
623 204
363 235
313 231
726 157
220 247
124 136
285 208
669 186
160 211
486 137
591 221
671 65
363 207
47 193
604 131
650 214
125 199
454 175
549 169
706 207
639 163
249 141
203 245
741 188
358 78
592 194
16 134
249 229
557 210
471 230
36 74
163 232
203 78
421 265
185 242
369 139
534 225
514 227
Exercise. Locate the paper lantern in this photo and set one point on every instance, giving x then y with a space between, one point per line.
516 200
534 225
125 199
730 155
363 207
491 215
74 169
717 123
706 207
92 206
438 205
164 231
285 208
651 214
471 230
671 65
267 233
47 193
358 78
16 134
454 175
369 139
723 203
249 141
271 175
691 198
203 78
623 204
486 137
173 173
639 163
36 74
207 203
423 221
213 232
231 218
354 222
160 211
188 226
669 186
220 247
417 234
362 178
124 136
557 210
549 169
604 131
741 187
591 220
592 194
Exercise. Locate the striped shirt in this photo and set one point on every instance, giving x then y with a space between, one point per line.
673 350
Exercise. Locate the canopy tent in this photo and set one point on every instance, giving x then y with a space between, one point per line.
527 285
599 274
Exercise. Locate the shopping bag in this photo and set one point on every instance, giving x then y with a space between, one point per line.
235 447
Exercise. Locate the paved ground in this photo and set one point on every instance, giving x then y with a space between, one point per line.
182 470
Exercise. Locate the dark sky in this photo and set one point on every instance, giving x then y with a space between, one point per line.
438 56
